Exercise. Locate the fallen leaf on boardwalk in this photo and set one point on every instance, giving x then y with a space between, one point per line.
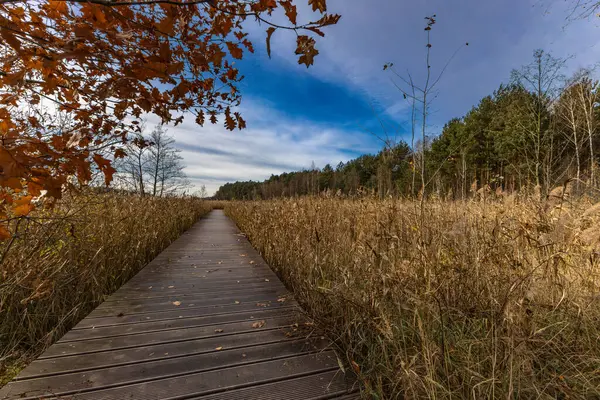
149 287
242 255
176 303
220 262
171 287
266 280
258 324
261 304
218 330
251 262
281 299
219 348
237 302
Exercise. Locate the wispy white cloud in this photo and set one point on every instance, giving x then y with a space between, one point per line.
273 143
502 35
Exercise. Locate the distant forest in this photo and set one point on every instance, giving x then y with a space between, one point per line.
539 131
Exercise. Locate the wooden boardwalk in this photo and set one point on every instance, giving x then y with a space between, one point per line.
207 319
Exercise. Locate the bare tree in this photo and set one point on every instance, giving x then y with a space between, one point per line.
588 96
420 98
542 77
132 167
567 109
152 165
164 165
203 192
583 9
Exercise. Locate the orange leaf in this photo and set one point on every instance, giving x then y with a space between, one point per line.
234 50
13 183
258 324
270 31
34 189
84 31
165 51
167 26
4 233
23 206
229 121
59 5
99 15
11 39
320 5
306 49
290 11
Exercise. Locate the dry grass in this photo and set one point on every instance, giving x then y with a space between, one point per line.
67 260
467 300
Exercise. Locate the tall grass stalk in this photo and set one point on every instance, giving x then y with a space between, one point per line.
476 300
66 260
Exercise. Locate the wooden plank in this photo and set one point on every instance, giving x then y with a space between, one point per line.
175 314
326 385
170 336
198 285
206 319
150 307
187 292
178 323
204 298
217 381
79 382
159 351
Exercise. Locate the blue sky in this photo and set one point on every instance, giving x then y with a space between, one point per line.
331 111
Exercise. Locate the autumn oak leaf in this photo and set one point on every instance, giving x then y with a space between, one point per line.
107 62
234 50
22 206
270 31
306 49
4 233
258 324
229 121
290 11
320 5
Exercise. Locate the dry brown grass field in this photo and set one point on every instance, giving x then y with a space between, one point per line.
64 261
466 299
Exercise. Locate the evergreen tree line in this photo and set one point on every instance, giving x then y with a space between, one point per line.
537 132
